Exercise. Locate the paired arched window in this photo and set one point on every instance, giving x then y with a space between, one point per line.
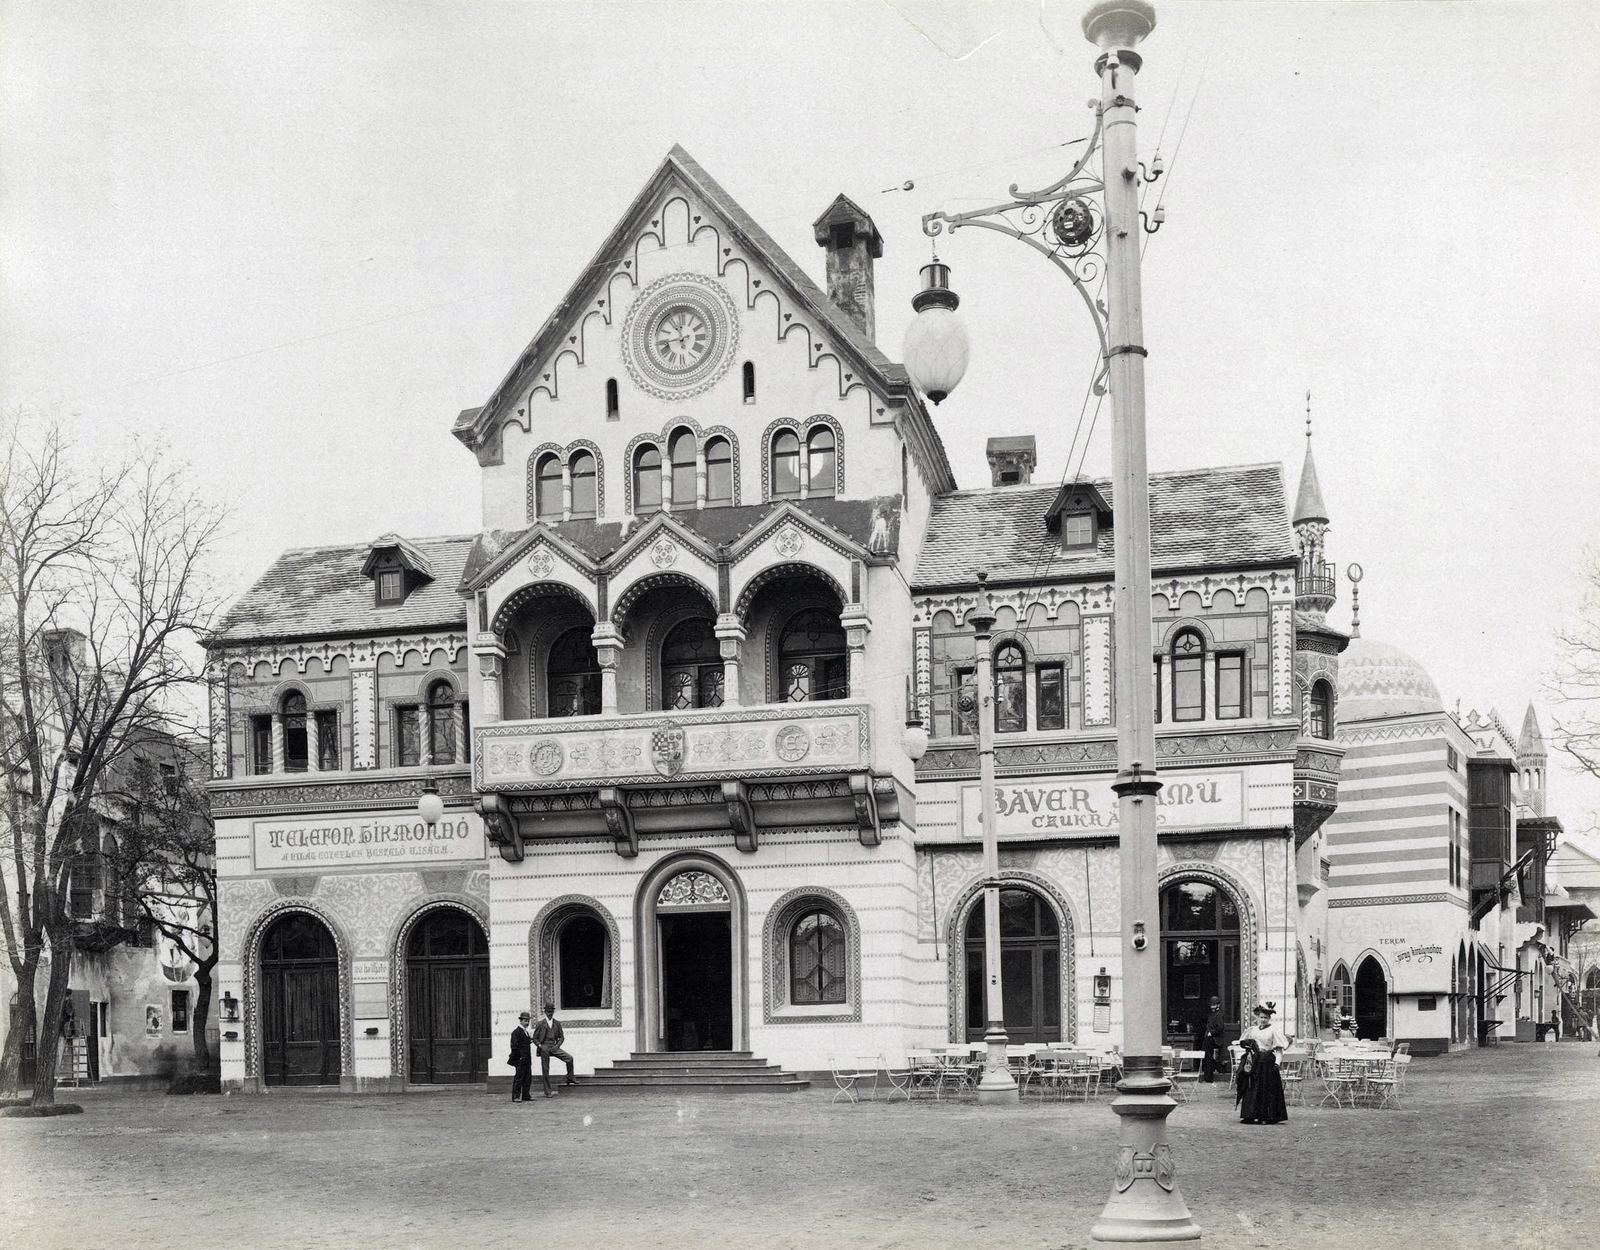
1010 689
817 958
691 666
647 479
682 452
442 726
813 663
820 463
1188 677
719 473
296 741
583 964
813 475
786 465
573 687
547 488
1321 718
584 495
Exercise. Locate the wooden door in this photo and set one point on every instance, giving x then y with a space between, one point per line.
299 1003
447 1001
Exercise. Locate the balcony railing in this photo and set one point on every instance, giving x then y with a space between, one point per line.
1320 580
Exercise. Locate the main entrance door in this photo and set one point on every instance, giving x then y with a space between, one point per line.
697 980
299 1003
1200 959
447 1000
1372 999
1030 969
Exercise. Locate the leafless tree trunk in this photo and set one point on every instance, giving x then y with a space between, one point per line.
100 594
1577 678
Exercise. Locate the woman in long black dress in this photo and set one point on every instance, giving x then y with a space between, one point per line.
1258 1085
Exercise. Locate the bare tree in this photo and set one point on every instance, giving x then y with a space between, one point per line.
101 594
1576 681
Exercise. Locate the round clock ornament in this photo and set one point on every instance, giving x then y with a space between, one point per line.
680 336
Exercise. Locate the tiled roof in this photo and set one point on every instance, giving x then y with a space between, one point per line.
1199 518
317 592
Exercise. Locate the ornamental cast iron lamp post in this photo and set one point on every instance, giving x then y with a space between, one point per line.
1063 223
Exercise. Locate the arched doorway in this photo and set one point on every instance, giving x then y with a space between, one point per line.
694 925
1030 968
1372 1000
299 1002
1200 959
447 1000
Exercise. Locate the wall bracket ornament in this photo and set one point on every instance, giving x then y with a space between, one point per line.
500 826
619 821
868 827
741 816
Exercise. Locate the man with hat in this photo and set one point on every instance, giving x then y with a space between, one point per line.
548 1036
522 1060
1214 1043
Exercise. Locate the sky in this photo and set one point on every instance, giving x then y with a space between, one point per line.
293 241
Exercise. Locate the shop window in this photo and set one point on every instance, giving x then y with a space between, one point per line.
820 452
574 675
328 741
1233 686
295 751
180 1011
691 666
261 744
1188 677
547 489
647 480
817 963
786 465
1050 695
812 659
719 473
1010 689
584 493
682 450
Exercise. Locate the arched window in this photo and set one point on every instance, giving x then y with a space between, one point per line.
583 964
1030 968
812 664
820 463
786 465
1344 991
719 473
647 479
583 486
691 666
1010 689
574 675
547 489
442 723
612 412
296 752
1188 677
1200 958
683 467
749 382
1321 710
816 959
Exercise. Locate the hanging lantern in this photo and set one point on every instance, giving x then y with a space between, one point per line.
935 349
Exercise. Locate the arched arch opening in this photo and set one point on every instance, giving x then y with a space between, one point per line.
1200 941
547 488
691 665
785 460
299 1002
813 657
821 465
692 943
533 624
573 674
447 999
719 473
1010 688
296 739
1321 719
683 453
1372 999
1030 967
647 480
585 496
1188 676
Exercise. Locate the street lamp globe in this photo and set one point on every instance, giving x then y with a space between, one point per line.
430 806
935 349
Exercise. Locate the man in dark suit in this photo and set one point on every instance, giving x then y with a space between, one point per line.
1214 1043
522 1060
548 1036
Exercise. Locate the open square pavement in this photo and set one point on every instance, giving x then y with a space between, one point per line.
1492 1147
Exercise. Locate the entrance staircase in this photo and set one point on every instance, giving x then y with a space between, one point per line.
696 1069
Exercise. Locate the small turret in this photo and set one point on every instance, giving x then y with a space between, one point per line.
1531 762
1317 579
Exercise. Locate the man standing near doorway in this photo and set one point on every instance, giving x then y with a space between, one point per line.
1214 1043
548 1036
522 1060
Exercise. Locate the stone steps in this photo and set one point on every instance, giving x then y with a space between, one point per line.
704 1069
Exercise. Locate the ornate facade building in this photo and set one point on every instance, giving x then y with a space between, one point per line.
662 696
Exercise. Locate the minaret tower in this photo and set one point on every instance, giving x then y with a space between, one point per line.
1317 580
1531 762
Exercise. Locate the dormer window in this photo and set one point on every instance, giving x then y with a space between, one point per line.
1077 529
1078 515
391 586
396 569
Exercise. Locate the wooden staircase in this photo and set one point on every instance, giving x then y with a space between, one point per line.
695 1069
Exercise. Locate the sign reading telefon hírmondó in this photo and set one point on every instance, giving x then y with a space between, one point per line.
370 841
1088 805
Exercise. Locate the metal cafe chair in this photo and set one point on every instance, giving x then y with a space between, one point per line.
1341 1080
848 1080
1292 1067
898 1076
924 1073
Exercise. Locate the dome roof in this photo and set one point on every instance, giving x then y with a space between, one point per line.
1377 680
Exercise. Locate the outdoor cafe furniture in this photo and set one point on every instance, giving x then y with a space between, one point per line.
849 1079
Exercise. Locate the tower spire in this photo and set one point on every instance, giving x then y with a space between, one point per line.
1308 506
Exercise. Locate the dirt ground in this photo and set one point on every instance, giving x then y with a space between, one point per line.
1492 1147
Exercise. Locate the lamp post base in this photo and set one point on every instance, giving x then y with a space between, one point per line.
997 1087
1146 1205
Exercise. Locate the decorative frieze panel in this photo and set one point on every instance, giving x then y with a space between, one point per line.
1283 659
1093 597
1279 587
355 651
1096 754
623 750
364 716
922 658
221 745
1097 670
337 794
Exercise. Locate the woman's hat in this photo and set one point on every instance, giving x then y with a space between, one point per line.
1266 1009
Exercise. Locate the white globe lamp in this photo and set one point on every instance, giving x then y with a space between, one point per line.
935 348
430 806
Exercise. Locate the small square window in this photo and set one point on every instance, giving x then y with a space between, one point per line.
391 586
1429 1003
1451 760
180 1011
1077 530
1051 700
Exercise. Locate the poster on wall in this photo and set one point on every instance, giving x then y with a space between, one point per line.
1087 805
366 841
152 1020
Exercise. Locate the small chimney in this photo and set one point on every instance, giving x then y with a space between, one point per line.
1011 460
852 243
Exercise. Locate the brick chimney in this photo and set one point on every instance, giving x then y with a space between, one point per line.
1011 460
852 243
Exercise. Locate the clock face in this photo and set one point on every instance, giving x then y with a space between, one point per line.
680 335
679 338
